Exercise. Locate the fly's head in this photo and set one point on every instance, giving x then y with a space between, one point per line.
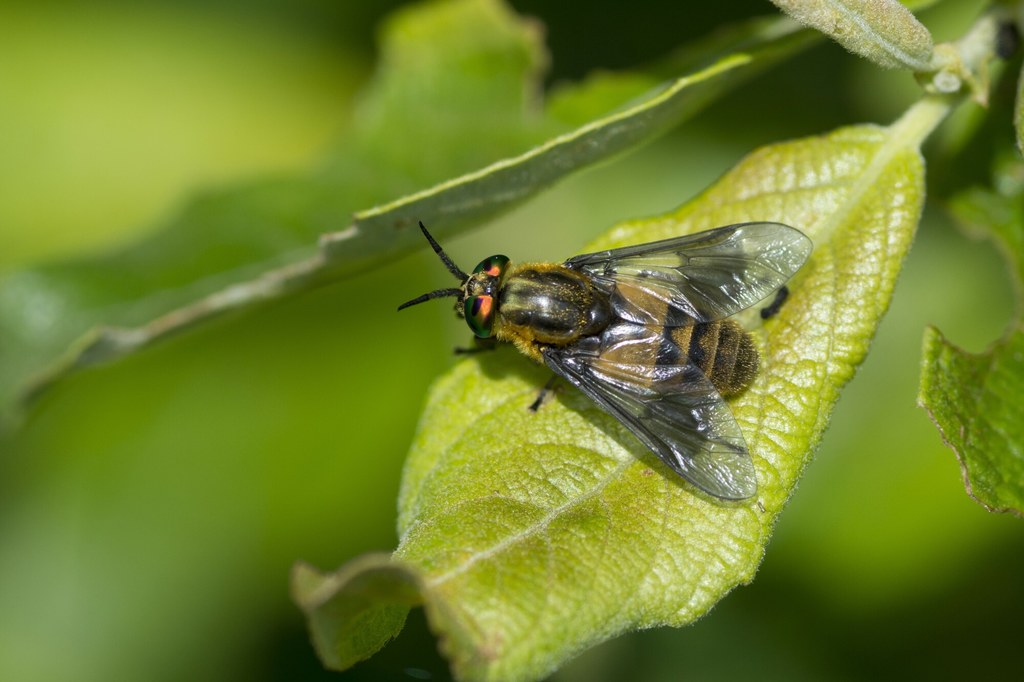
477 297
479 305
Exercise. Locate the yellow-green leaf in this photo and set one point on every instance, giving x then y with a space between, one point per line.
537 535
354 612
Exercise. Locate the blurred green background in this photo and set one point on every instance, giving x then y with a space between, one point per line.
149 514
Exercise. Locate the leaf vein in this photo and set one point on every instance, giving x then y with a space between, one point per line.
531 530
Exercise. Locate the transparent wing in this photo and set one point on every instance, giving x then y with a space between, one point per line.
704 276
673 409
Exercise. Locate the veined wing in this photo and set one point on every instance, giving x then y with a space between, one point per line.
704 276
672 408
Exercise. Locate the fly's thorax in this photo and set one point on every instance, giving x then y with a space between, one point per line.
547 303
723 350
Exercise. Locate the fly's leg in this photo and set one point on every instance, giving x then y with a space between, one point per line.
545 389
772 309
479 346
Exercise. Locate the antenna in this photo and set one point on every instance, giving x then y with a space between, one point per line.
440 293
452 267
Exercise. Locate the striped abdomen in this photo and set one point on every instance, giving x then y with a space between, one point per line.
723 351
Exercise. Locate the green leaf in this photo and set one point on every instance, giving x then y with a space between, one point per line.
974 399
883 31
537 535
354 612
471 60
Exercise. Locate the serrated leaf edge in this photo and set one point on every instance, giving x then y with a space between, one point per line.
933 344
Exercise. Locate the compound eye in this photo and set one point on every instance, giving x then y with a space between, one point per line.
480 315
493 266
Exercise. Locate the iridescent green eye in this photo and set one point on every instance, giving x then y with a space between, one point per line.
493 266
480 315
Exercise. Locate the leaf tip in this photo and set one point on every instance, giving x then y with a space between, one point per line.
353 612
